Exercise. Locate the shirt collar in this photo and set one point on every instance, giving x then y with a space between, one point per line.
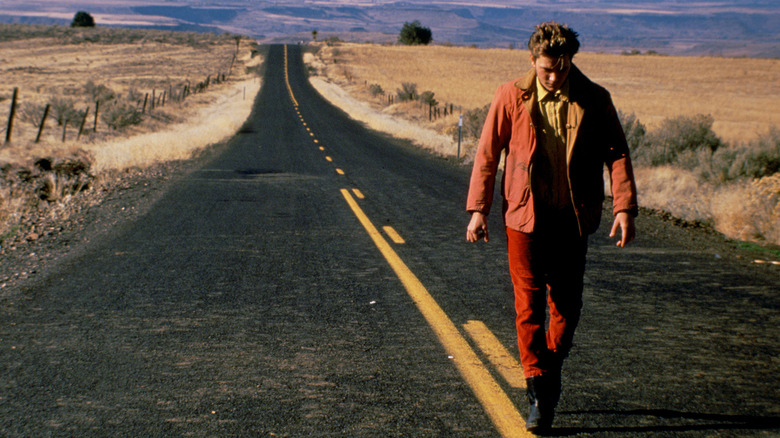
562 93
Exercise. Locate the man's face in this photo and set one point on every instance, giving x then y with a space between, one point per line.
552 72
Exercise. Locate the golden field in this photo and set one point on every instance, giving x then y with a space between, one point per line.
739 93
58 65
51 64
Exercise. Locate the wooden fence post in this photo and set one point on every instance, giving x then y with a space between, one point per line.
84 120
11 115
64 128
43 122
146 97
97 107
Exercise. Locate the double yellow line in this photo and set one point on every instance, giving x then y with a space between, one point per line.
495 401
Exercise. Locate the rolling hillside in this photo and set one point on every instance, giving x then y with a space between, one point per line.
717 28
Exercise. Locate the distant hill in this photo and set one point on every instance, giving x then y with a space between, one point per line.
718 27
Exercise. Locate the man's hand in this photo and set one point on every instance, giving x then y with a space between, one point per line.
626 223
477 228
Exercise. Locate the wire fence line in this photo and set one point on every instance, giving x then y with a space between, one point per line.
118 115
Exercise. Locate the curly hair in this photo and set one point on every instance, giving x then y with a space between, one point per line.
553 40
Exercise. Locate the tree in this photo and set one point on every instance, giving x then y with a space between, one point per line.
82 19
414 34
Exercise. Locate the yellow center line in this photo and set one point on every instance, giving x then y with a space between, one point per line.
339 171
329 158
496 353
494 400
393 235
287 78
358 193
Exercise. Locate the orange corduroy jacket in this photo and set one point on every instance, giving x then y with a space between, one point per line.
594 139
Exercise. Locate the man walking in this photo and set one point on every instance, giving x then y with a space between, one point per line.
558 130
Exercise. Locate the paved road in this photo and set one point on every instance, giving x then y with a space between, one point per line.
263 296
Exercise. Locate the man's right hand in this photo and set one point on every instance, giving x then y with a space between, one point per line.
477 228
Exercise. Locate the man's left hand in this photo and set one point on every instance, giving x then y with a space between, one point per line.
626 223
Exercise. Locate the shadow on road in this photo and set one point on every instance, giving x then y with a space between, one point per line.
672 422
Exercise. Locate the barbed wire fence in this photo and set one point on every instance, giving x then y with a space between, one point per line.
131 113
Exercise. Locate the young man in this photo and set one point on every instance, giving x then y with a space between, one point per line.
558 130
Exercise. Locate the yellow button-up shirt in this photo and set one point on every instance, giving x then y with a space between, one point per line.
551 182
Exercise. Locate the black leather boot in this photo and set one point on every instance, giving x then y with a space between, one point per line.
534 414
542 399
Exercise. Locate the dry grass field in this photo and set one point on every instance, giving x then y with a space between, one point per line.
58 66
739 94
68 68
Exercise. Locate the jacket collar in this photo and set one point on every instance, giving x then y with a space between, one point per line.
527 84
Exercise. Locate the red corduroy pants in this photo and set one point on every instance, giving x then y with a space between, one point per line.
547 269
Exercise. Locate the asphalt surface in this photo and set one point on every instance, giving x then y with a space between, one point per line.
249 300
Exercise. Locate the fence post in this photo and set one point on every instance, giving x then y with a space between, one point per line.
151 107
11 115
460 132
64 128
43 122
97 107
146 97
84 120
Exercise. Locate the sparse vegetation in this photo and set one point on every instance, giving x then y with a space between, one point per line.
473 120
428 98
64 111
376 90
703 152
121 115
407 92
50 66
676 140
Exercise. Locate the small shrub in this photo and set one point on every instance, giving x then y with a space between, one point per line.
634 130
121 115
376 90
99 93
133 95
31 113
407 92
759 158
428 98
678 137
64 111
473 120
